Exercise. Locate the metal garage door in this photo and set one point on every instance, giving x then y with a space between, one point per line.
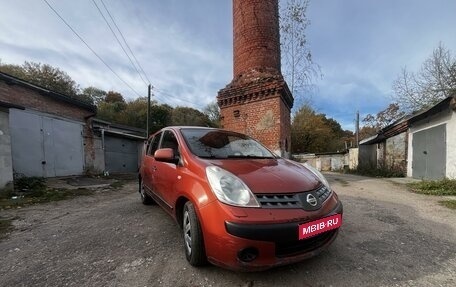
429 153
121 155
44 146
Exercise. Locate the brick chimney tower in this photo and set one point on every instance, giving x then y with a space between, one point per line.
257 102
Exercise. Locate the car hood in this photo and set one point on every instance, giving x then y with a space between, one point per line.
271 175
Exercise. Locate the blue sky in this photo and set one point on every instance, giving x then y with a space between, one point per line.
185 46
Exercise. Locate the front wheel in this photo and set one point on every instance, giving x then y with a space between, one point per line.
193 237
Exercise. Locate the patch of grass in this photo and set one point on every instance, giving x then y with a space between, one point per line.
5 227
118 184
449 203
29 183
377 172
434 187
40 195
342 181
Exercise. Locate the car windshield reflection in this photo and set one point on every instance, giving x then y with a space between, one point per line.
218 144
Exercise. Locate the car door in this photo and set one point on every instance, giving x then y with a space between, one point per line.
166 174
149 164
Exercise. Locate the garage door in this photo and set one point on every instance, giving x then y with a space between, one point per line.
44 146
121 155
429 153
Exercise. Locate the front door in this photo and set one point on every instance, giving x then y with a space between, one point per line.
166 174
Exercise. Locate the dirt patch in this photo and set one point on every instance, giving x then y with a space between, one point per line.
390 237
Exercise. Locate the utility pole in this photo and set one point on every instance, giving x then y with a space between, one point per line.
357 128
148 110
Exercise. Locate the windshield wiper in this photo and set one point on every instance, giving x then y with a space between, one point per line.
250 156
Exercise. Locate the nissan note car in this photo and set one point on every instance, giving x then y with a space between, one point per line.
239 205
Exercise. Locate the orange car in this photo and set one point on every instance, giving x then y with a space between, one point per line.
239 205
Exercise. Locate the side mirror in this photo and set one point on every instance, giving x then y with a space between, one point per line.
166 155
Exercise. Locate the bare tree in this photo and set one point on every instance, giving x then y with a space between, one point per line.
435 81
212 111
383 118
298 66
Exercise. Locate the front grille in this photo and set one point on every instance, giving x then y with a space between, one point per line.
291 200
284 249
323 193
279 201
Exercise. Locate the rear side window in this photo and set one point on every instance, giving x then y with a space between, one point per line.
154 144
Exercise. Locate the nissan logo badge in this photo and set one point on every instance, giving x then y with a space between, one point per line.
311 200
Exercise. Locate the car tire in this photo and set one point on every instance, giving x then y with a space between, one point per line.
193 236
145 198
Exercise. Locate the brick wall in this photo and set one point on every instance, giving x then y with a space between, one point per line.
33 100
257 102
263 120
256 36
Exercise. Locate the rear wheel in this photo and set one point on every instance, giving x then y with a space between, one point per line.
193 237
145 198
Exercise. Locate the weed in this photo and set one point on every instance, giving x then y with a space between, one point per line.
118 184
38 193
449 203
29 183
382 171
434 187
5 227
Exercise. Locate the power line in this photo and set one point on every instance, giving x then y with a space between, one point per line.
171 96
90 48
125 41
118 41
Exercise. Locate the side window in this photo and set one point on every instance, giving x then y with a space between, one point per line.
170 141
153 146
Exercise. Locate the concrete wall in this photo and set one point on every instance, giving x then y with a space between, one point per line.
396 152
99 157
353 158
447 117
6 163
327 162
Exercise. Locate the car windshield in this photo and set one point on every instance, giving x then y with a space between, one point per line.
220 144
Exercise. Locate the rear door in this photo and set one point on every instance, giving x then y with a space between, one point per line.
149 164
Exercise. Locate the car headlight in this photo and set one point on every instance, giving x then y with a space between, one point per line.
318 174
230 189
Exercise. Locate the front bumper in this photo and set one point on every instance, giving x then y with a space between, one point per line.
277 244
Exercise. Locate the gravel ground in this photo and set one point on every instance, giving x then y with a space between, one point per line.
390 237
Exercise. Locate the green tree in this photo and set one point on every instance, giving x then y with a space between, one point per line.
185 116
112 107
135 113
114 97
314 132
310 131
93 95
160 117
43 75
435 81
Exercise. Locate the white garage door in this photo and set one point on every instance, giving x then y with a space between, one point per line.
45 146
